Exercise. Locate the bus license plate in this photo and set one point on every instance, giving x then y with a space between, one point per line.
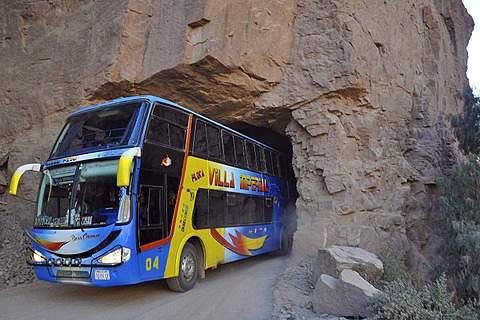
102 275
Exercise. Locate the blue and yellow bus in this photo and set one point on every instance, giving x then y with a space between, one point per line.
141 188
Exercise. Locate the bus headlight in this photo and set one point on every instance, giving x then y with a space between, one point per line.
37 257
116 256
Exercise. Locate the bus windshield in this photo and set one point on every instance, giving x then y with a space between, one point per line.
102 128
80 195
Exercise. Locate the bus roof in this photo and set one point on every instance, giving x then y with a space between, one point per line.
170 103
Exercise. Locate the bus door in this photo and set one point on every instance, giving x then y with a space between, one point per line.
152 226
152 214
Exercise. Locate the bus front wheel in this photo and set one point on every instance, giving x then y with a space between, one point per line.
188 270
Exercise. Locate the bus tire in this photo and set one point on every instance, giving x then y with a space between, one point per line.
188 270
286 244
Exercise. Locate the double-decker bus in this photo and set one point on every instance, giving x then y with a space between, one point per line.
141 188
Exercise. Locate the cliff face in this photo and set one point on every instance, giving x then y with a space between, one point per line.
363 90
374 136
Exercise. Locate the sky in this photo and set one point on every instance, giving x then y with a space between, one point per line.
473 71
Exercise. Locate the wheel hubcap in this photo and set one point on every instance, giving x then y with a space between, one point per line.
188 267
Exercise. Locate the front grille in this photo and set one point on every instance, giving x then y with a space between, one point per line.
72 274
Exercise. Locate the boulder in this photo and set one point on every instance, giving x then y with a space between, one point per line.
346 296
334 259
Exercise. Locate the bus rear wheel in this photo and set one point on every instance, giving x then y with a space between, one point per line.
188 270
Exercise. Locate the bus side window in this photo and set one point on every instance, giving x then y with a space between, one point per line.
240 151
268 161
216 208
213 139
260 158
257 214
276 164
172 115
200 211
233 209
268 210
228 148
248 209
251 159
167 127
158 131
177 137
200 143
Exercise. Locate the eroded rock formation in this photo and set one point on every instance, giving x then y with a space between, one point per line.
374 143
363 90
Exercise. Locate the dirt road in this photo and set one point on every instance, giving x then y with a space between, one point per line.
239 290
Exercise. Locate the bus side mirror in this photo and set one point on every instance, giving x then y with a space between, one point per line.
18 174
124 165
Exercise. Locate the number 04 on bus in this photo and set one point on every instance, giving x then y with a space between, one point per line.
140 189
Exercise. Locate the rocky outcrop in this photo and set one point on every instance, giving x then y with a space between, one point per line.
334 259
362 89
13 269
371 88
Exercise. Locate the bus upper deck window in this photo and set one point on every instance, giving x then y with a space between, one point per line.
99 128
213 140
228 147
177 137
251 158
158 131
259 151
240 151
172 115
163 132
268 161
200 143
277 164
